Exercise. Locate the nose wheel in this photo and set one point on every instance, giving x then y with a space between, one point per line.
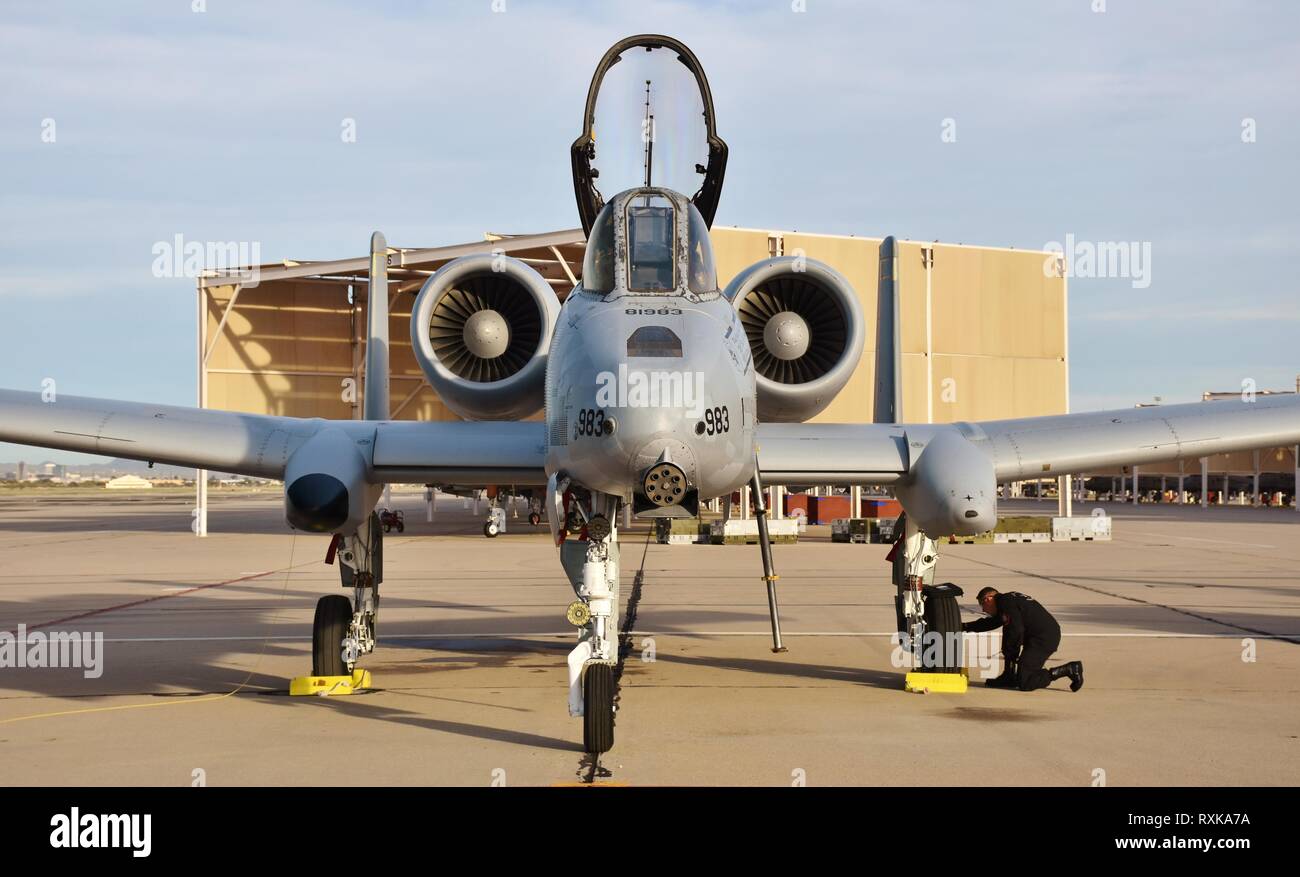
328 629
598 708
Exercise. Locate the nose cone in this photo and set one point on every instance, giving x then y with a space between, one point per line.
786 335
317 503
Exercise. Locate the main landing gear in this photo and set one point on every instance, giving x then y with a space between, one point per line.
929 618
344 630
592 564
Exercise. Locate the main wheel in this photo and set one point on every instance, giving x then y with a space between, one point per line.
534 519
598 708
490 529
943 617
333 616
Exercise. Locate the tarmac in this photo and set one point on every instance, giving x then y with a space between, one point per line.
1188 624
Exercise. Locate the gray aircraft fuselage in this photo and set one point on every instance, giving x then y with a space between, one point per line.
636 378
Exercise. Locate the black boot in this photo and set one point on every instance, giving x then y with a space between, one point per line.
1074 670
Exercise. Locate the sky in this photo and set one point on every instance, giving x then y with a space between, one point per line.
1171 125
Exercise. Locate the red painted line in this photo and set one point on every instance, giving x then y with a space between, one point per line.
192 590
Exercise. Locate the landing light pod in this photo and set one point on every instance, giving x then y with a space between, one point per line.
325 487
951 489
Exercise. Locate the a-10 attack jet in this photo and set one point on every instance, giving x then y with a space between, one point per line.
660 391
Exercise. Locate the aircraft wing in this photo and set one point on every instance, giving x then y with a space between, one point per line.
1033 447
261 446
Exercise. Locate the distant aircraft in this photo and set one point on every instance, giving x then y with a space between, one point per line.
660 390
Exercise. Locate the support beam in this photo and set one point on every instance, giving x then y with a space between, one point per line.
200 523
1065 496
375 402
1205 482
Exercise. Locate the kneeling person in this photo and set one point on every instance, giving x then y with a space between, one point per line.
1029 636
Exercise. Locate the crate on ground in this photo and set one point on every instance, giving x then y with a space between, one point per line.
852 530
1093 528
680 531
745 532
1011 530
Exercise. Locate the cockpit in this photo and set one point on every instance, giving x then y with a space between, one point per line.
649 242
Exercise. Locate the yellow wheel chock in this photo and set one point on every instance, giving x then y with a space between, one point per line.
330 686
935 683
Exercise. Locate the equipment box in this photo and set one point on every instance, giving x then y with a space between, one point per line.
1094 528
851 530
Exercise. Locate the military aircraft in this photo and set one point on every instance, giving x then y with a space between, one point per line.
660 390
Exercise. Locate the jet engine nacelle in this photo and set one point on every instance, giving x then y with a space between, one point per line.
481 329
325 486
805 330
950 489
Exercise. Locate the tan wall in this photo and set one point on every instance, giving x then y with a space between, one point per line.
998 325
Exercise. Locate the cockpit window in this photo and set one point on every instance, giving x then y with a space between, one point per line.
654 341
650 260
703 277
598 265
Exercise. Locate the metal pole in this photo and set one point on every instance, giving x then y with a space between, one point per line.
1205 482
769 571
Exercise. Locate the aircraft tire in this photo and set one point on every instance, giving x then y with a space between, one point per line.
490 530
333 615
598 708
943 616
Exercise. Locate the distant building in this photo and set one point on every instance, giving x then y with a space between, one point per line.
22 471
129 482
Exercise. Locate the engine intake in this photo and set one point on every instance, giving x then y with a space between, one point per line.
805 329
481 329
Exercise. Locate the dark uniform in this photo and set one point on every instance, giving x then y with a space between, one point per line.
1029 636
